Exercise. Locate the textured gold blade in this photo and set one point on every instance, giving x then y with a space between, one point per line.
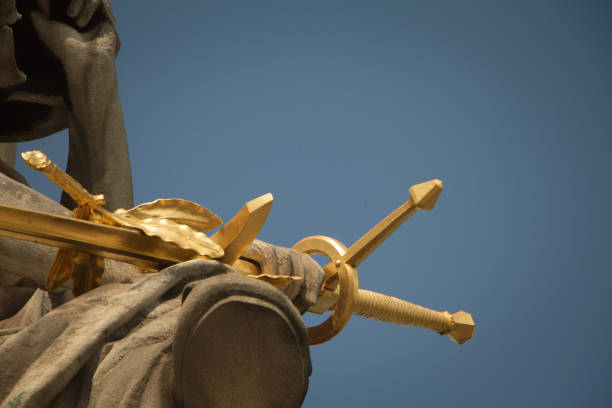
116 243
423 196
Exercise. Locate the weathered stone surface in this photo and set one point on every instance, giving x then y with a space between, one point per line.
8 12
10 74
135 341
134 345
12 299
119 345
239 342
7 162
80 93
38 305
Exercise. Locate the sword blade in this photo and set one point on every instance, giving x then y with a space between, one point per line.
110 242
422 196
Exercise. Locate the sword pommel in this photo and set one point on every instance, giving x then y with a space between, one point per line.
463 327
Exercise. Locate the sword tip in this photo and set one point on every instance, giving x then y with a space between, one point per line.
426 194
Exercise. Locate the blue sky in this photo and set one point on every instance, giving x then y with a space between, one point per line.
337 108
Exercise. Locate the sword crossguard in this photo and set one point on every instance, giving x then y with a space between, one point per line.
347 282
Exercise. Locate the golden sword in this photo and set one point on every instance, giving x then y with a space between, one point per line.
151 236
341 294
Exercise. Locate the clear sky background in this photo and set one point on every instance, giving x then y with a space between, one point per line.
337 108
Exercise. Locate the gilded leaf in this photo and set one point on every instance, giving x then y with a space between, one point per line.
181 222
176 210
179 234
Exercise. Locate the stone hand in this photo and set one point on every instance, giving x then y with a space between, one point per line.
81 11
72 47
98 156
275 260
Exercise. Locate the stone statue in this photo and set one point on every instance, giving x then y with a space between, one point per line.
195 334
57 71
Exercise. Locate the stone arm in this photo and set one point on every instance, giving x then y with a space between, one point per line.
81 35
98 154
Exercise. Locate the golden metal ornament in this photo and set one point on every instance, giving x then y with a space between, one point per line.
117 243
84 269
120 244
173 232
112 242
341 293
236 236
38 161
181 222
151 235
61 268
120 236
176 210
177 221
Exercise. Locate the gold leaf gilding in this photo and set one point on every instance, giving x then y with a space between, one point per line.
181 222
174 209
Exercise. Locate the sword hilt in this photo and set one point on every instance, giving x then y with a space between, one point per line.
341 294
459 326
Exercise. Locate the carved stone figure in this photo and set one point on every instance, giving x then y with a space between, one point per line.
57 71
197 334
